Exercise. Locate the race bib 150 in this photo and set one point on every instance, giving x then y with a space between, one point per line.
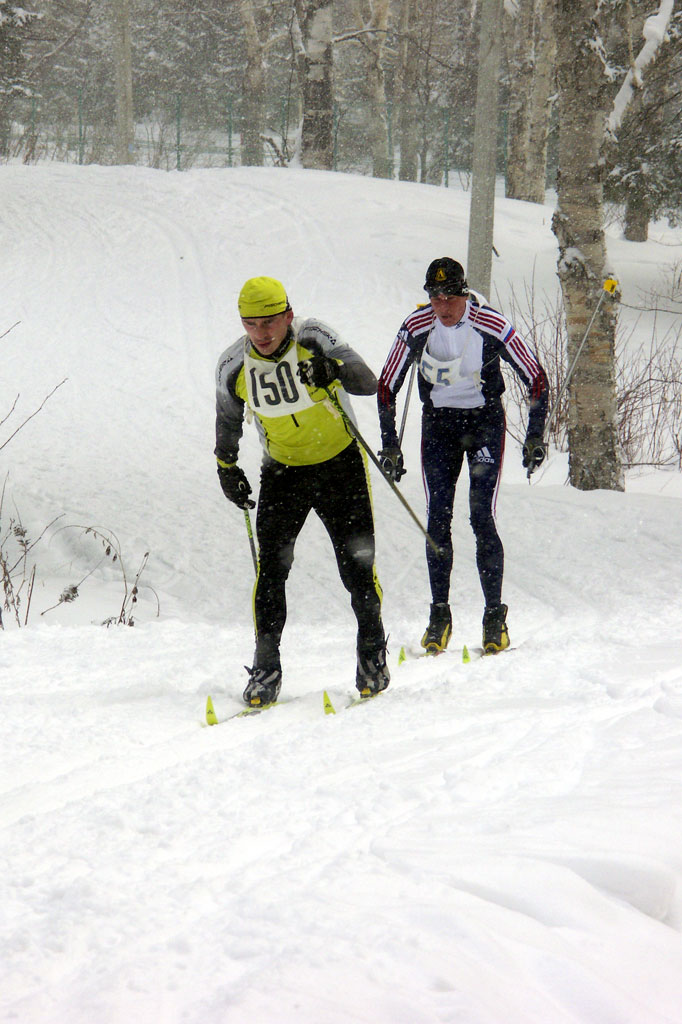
274 389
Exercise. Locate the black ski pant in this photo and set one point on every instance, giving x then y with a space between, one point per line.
337 490
447 436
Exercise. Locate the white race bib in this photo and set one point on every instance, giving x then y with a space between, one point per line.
274 389
440 372
451 363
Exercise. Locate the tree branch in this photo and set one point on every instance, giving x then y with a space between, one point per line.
34 413
654 31
10 329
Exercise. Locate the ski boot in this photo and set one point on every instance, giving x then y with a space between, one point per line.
263 686
495 634
372 674
437 635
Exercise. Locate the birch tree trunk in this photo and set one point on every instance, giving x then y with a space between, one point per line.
637 216
519 37
637 202
123 81
317 134
406 83
532 54
372 20
253 90
594 460
482 205
542 101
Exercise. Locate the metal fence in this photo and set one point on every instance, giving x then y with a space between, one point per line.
176 136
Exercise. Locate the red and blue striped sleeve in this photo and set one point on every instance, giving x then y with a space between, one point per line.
405 349
522 358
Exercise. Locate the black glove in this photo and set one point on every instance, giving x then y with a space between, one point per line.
534 451
318 371
391 462
235 486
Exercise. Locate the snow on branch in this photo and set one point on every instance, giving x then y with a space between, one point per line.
653 32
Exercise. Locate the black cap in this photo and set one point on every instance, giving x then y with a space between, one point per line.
446 277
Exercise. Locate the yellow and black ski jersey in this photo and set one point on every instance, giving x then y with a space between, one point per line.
297 425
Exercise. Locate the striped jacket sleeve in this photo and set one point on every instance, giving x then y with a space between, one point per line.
407 346
519 354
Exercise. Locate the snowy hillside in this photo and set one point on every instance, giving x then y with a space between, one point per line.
487 843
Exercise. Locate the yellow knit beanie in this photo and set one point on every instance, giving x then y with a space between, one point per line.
262 296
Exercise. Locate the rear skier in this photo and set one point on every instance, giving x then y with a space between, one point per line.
457 342
284 369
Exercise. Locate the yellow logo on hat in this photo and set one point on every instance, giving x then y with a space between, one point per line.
440 274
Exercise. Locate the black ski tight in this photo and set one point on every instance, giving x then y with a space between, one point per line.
447 436
337 490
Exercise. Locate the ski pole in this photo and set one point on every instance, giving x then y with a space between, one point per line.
360 439
411 382
407 403
609 287
254 555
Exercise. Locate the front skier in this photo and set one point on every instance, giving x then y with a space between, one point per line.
284 369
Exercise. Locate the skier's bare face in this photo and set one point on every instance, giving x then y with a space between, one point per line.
268 332
448 308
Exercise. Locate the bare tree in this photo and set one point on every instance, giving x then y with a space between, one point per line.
316 71
14 28
643 127
406 88
542 99
531 50
585 100
123 78
482 207
371 19
253 88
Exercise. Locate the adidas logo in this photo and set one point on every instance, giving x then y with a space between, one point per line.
483 455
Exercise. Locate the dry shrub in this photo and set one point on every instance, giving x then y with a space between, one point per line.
648 376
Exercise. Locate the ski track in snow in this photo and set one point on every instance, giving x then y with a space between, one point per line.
485 842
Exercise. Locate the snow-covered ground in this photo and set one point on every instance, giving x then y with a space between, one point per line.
498 842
